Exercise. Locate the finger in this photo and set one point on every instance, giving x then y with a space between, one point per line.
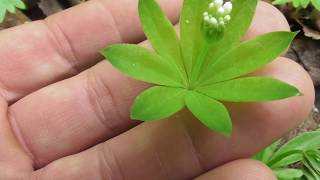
67 111
14 163
182 148
266 18
245 169
64 44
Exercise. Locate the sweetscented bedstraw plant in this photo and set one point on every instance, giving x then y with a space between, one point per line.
207 65
297 159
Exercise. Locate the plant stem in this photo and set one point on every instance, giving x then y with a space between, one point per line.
198 64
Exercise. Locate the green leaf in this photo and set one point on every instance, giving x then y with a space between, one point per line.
285 159
210 112
9 5
309 175
160 32
141 64
313 159
3 11
305 3
303 142
309 170
266 154
250 89
242 15
248 57
158 103
190 30
288 173
316 4
296 3
279 2
18 3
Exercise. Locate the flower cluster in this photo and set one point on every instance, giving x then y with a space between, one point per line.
214 20
218 13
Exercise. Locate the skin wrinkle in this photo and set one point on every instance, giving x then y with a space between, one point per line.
93 93
107 153
192 146
20 138
112 19
64 45
158 159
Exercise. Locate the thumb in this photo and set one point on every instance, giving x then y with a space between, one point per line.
245 169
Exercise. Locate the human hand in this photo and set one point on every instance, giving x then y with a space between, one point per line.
68 113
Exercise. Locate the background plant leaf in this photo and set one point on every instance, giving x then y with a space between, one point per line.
313 159
303 142
192 39
266 154
9 5
210 112
285 159
242 15
309 171
249 89
18 3
158 103
316 4
248 57
142 64
287 173
160 33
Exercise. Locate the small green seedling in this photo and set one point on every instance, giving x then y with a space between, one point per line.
208 64
10 5
299 3
304 149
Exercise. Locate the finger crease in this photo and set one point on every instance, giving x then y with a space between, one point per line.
20 137
64 45
192 147
109 164
95 98
112 20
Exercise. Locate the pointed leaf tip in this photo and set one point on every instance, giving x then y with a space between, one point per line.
250 89
247 57
142 64
210 112
157 103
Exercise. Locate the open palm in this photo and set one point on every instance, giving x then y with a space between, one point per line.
65 115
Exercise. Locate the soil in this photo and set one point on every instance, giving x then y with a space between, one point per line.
305 49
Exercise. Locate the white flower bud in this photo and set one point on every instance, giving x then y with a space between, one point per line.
213 21
218 3
227 18
206 19
222 23
205 14
227 7
211 5
221 11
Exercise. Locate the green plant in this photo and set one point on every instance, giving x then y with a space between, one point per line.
206 65
299 3
303 149
10 5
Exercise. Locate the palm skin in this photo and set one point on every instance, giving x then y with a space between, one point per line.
65 113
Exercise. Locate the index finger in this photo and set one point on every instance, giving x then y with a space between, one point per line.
43 52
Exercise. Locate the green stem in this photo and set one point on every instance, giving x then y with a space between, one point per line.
198 64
